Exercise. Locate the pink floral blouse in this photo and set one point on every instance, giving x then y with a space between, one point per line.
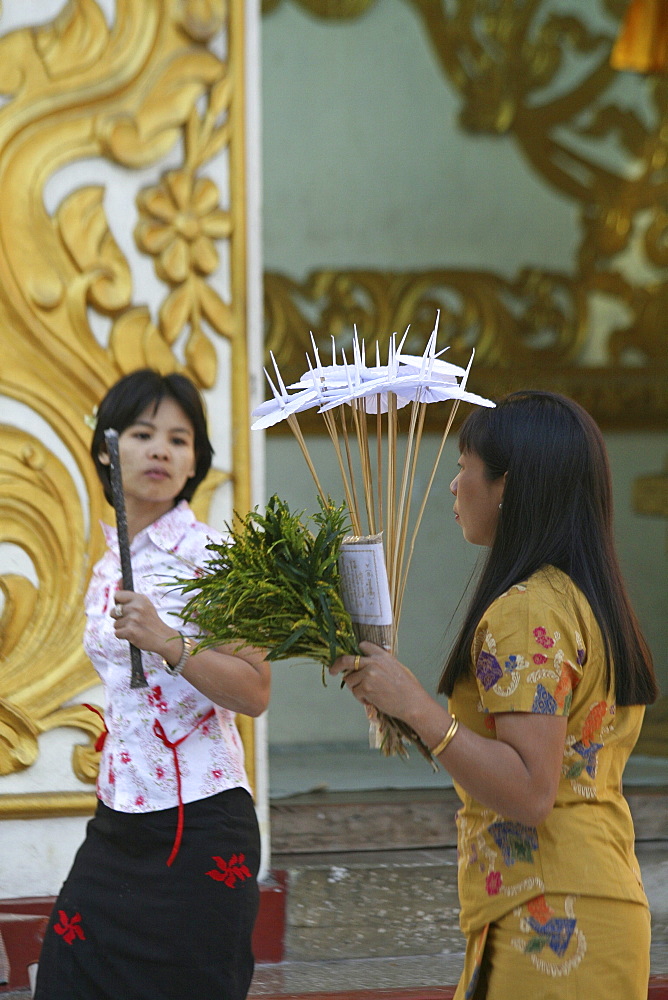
169 728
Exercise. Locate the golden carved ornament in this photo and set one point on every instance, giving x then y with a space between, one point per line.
650 494
338 10
650 498
42 661
526 332
77 89
543 77
642 44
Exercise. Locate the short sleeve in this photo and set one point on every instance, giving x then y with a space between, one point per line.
528 653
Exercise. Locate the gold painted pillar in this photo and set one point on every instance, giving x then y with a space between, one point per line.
123 243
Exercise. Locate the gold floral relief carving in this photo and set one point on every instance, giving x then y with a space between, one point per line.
78 89
543 78
40 649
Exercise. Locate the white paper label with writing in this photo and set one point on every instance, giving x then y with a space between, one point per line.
364 587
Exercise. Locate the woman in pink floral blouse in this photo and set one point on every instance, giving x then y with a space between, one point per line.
162 896
547 684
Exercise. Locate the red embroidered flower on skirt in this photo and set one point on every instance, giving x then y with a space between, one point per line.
69 929
229 871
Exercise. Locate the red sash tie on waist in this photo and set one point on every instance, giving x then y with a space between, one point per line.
173 746
99 742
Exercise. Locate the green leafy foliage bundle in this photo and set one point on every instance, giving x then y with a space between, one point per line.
276 585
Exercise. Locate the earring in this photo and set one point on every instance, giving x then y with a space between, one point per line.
501 505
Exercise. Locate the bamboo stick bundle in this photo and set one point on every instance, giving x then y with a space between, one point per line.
345 394
362 565
351 396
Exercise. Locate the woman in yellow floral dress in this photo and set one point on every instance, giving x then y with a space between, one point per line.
547 684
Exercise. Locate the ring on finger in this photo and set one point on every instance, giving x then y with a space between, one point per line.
357 664
118 610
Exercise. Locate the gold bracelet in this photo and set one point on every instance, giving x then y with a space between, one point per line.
447 739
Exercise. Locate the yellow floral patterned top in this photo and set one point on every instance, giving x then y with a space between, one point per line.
539 649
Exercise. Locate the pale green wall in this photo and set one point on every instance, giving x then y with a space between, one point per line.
302 711
365 165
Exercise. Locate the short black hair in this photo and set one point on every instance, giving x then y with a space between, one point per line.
133 394
557 511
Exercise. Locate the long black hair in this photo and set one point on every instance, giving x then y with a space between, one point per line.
557 511
133 394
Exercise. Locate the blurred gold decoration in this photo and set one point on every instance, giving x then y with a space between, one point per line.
42 660
41 805
650 497
642 45
650 494
544 78
526 333
77 89
335 9
653 739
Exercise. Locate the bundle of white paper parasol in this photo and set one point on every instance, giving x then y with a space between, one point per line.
359 403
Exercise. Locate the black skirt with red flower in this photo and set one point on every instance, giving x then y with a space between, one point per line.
126 926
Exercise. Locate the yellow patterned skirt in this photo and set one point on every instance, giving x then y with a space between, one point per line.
560 947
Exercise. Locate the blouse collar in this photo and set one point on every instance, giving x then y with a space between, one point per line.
165 533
